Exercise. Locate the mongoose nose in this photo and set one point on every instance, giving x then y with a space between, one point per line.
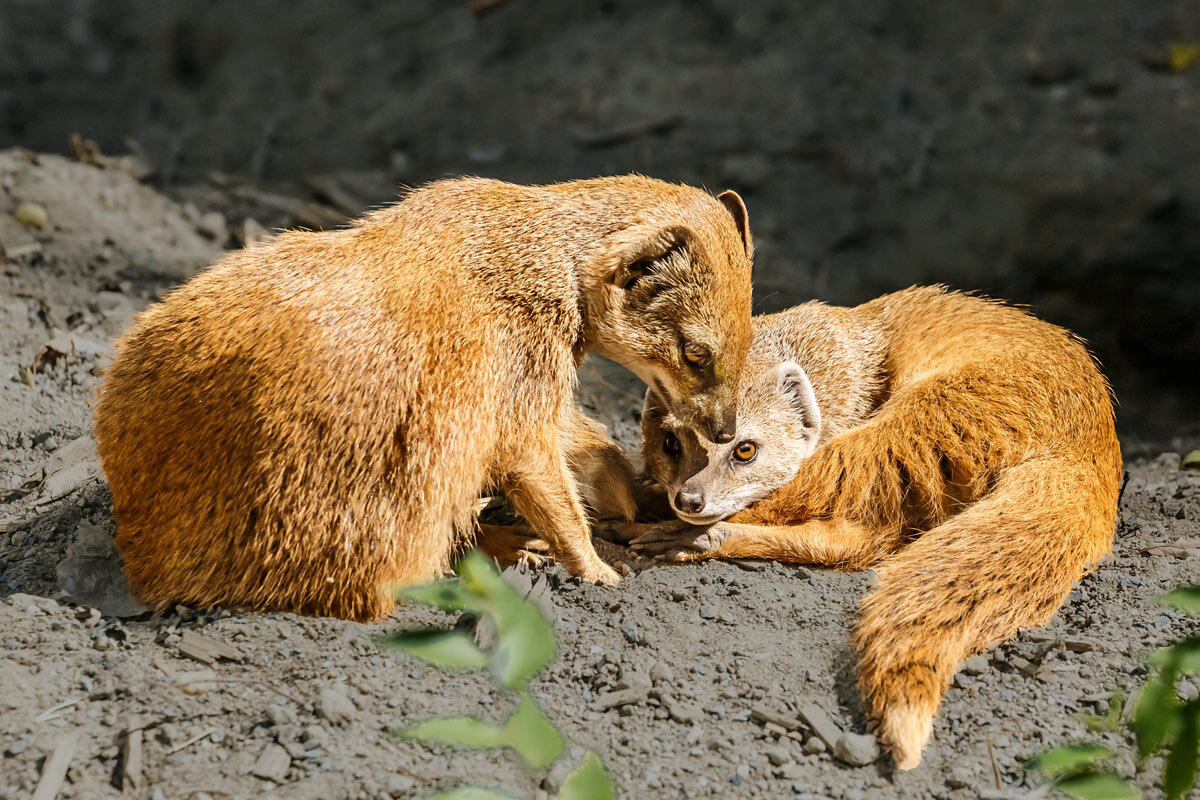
724 435
689 502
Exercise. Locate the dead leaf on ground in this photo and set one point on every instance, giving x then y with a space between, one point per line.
1180 548
66 344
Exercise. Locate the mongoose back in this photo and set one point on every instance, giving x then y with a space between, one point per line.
961 448
310 422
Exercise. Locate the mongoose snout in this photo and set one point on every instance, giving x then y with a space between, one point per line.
310 422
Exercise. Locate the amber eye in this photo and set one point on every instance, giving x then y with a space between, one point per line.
672 446
695 354
745 451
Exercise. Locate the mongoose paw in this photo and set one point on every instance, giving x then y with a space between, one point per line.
681 541
599 573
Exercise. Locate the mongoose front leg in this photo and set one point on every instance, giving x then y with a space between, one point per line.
544 494
512 544
835 543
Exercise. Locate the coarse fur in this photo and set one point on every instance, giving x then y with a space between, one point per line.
309 423
963 449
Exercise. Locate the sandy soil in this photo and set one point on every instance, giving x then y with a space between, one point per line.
303 707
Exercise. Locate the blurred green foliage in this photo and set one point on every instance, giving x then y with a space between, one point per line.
523 645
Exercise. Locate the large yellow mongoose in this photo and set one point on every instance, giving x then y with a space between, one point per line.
310 422
962 449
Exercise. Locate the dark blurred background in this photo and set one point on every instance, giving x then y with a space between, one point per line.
1043 152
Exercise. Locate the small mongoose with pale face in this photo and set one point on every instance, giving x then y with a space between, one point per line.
309 424
962 449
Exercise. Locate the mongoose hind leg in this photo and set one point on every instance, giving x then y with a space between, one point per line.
512 544
602 472
544 493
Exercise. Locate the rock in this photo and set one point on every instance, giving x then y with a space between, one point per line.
856 749
280 714
684 713
708 612
29 602
819 722
314 734
661 673
631 632
32 215
975 665
620 697
776 755
960 776
631 679
814 746
335 706
272 763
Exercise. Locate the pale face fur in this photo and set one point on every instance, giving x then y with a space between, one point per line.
779 426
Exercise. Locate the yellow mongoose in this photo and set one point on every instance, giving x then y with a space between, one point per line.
310 422
961 448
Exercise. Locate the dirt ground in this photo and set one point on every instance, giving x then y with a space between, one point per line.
303 708
1034 151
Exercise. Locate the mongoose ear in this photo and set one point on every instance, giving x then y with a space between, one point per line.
737 209
635 253
794 382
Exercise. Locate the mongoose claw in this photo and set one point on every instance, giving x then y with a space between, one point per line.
680 541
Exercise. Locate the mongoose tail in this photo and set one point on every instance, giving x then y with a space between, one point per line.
1005 563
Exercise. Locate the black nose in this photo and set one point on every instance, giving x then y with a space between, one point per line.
689 502
723 432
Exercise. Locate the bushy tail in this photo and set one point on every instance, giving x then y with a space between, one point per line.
1003 564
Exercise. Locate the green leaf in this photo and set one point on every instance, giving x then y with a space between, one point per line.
440 648
1155 713
1185 597
467 731
1182 656
524 640
469 793
1098 786
448 595
1069 758
531 735
527 732
1179 772
587 782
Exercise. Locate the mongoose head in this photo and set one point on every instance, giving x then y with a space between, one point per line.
674 306
779 426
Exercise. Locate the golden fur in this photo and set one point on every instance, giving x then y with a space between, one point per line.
310 422
965 451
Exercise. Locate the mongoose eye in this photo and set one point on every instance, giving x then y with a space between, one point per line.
696 354
672 445
745 452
